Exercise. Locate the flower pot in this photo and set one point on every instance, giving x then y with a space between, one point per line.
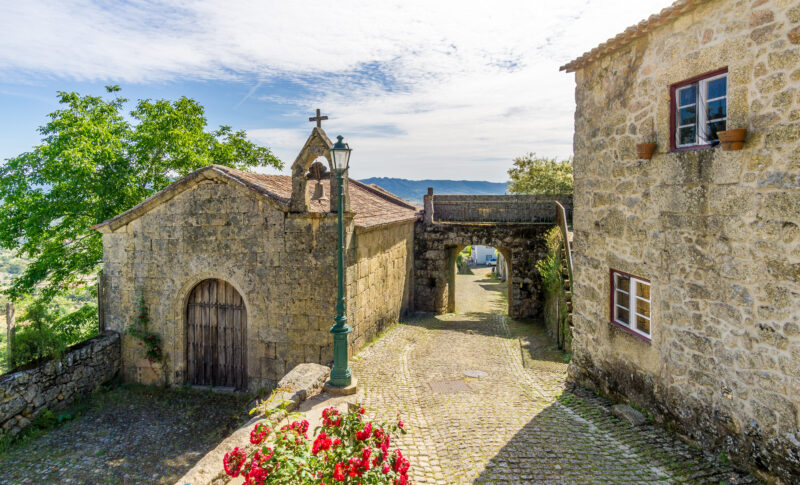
645 151
732 139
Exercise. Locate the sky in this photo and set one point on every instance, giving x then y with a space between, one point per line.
419 89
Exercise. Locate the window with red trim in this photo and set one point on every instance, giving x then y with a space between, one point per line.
699 110
630 303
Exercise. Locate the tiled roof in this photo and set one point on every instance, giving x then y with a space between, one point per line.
633 32
372 206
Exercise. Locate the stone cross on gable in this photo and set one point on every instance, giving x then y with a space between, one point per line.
319 118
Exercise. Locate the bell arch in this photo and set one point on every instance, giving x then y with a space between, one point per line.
318 145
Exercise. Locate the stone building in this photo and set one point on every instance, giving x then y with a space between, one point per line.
687 265
238 271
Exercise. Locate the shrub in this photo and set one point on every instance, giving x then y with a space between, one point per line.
550 269
32 342
46 330
346 449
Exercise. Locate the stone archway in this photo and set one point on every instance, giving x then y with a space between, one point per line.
435 248
216 336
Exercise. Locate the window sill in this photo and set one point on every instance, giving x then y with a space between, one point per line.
630 332
692 148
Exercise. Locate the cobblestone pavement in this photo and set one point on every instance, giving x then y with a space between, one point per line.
126 435
521 423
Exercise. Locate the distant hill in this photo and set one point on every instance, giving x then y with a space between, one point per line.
415 190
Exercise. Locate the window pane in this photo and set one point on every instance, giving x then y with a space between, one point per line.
623 316
717 109
687 116
713 128
643 307
717 87
687 136
643 324
623 299
687 95
623 283
643 290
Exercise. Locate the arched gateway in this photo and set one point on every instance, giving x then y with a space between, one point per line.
216 336
514 224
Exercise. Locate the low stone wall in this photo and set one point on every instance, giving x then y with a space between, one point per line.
503 209
26 393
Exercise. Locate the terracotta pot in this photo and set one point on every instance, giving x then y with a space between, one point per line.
644 151
732 139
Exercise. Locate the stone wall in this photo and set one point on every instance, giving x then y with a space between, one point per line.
496 208
435 249
383 287
280 263
283 264
717 233
56 383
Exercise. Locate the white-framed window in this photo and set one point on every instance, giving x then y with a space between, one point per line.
701 110
630 303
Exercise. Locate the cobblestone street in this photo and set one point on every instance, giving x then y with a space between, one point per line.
126 435
485 400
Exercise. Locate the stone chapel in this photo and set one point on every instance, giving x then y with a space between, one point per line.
238 271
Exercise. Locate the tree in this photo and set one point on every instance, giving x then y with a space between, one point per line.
533 175
94 163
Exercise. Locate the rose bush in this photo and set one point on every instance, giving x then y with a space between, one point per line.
345 449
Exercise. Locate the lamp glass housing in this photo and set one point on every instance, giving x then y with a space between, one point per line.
340 155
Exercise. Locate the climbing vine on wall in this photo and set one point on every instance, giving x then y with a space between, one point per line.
147 339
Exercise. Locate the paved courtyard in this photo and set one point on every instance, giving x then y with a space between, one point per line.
127 435
519 422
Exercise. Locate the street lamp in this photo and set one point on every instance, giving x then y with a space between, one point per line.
341 377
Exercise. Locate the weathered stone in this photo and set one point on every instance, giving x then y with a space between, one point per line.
304 380
628 414
27 393
219 224
761 17
794 35
771 83
714 232
522 244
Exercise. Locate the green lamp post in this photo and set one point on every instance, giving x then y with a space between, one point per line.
341 376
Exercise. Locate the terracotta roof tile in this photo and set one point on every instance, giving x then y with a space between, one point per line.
633 32
372 206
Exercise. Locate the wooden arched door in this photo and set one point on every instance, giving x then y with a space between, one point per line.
216 337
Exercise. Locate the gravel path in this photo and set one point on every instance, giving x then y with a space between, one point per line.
520 423
127 435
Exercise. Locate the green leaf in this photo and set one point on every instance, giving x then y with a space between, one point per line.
534 175
96 161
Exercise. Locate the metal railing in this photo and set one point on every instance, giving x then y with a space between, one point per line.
563 225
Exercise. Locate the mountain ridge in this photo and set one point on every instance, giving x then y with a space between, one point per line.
414 190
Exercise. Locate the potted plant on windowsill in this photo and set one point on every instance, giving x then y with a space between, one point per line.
644 151
732 139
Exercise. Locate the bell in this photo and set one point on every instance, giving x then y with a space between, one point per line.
319 192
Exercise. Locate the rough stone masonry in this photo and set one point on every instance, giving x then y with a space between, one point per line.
717 233
54 384
276 246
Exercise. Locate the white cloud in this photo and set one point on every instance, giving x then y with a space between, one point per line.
420 88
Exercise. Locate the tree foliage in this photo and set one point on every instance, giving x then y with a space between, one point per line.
96 161
536 175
